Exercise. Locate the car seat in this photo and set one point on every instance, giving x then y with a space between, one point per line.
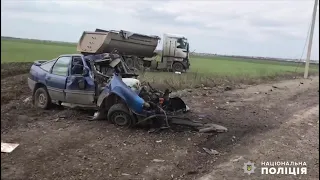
77 66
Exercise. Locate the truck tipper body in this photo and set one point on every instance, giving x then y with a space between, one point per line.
138 50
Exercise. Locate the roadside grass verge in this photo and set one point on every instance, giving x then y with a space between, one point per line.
197 80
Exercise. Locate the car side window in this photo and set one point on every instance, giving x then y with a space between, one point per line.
47 65
61 67
76 66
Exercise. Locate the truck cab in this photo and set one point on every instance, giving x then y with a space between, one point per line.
175 53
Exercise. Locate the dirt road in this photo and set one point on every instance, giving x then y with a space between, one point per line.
293 138
264 125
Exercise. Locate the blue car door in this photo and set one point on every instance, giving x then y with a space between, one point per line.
56 80
80 89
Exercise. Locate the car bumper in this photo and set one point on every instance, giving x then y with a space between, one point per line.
31 84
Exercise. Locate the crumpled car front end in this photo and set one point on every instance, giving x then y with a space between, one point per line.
140 100
126 107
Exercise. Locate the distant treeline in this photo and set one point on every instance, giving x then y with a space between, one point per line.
26 39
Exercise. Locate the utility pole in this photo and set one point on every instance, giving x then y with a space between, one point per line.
306 70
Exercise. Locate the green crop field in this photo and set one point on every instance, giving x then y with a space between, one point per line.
22 50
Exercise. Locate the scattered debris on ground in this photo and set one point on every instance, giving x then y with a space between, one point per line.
8 147
211 151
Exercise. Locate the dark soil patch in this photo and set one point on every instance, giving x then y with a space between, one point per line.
14 68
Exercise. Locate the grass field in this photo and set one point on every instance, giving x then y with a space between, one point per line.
22 50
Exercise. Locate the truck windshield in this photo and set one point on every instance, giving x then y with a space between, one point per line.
182 43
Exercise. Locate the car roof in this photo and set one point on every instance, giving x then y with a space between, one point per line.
71 55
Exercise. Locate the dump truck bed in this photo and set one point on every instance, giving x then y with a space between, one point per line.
126 43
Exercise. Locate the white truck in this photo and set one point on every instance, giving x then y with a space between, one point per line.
138 50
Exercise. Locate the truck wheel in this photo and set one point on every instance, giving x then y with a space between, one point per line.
41 98
177 66
129 62
119 114
139 64
147 64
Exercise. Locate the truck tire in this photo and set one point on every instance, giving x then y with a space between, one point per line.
177 67
119 115
146 64
129 62
139 63
42 99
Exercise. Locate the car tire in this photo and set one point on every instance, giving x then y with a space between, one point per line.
119 115
42 99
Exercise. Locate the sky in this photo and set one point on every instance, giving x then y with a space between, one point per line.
268 28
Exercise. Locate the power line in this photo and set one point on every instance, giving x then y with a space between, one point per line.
304 47
314 13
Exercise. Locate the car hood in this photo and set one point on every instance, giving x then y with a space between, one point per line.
131 97
132 83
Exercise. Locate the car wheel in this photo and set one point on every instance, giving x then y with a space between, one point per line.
42 98
177 67
119 115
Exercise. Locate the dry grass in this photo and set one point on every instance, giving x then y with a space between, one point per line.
196 80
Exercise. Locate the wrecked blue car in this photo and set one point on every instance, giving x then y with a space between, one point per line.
103 82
